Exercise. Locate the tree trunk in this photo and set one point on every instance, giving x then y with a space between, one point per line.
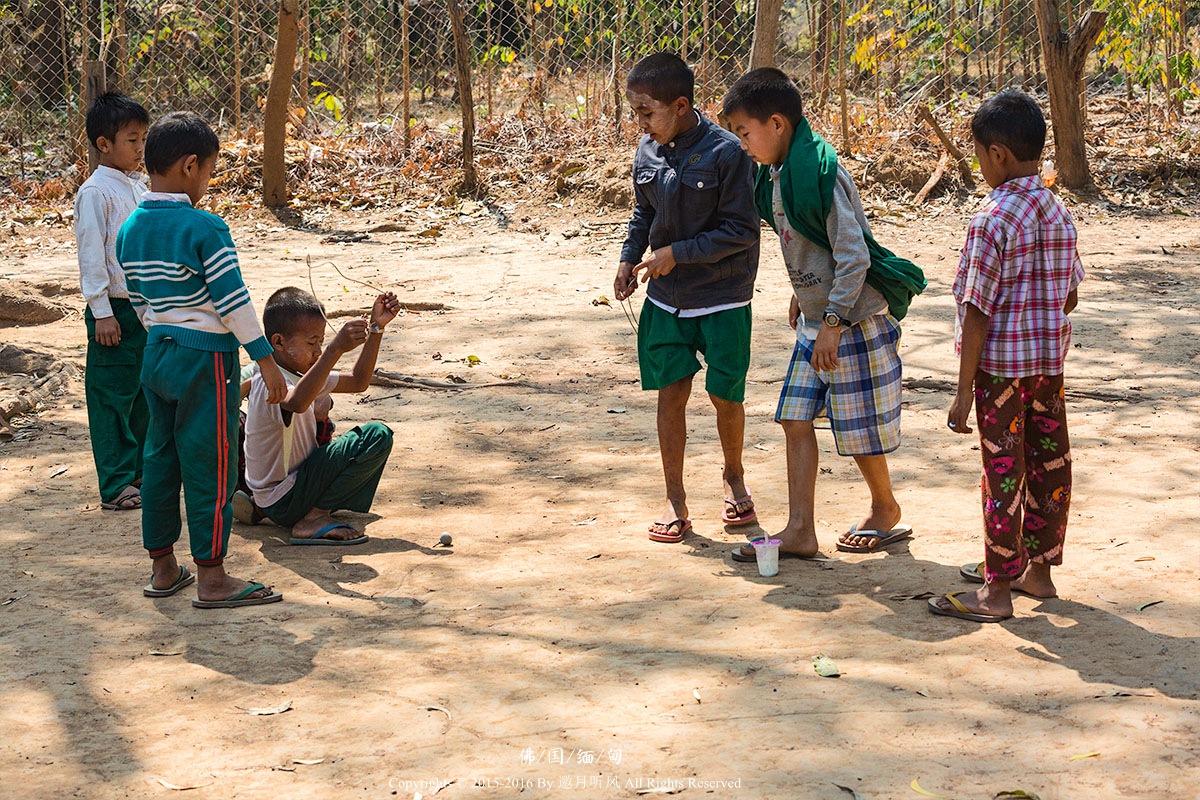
766 33
1066 55
466 99
275 115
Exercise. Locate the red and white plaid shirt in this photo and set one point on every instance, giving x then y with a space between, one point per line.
1018 265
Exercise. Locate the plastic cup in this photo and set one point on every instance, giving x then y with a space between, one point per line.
766 553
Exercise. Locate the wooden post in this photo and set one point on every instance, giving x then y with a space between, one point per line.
305 50
766 33
275 117
237 66
1066 56
405 76
618 87
683 36
466 100
846 148
95 80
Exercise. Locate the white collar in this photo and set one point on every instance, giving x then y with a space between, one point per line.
124 177
177 197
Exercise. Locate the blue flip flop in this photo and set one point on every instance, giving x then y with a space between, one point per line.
242 598
185 578
319 537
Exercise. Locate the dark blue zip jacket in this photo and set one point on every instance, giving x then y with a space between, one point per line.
696 194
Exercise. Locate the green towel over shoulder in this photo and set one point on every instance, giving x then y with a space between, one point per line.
806 182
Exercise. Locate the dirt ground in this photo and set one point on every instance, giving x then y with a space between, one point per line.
553 651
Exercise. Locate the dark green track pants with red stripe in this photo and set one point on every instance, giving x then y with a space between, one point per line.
190 443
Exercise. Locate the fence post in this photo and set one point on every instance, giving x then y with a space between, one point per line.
95 83
406 75
766 33
462 59
275 116
237 67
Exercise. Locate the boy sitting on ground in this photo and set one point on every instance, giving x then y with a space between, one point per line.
297 482
849 293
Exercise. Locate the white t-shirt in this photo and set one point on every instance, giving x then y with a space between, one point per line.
266 473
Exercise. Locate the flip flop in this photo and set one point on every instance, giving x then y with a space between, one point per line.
680 525
750 558
244 509
974 574
733 519
319 537
882 539
242 598
130 499
185 578
959 611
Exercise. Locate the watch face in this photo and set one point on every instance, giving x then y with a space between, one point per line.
833 320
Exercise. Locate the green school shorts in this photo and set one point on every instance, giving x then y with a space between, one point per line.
667 348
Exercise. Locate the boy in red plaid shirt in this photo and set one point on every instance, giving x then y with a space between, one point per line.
1017 282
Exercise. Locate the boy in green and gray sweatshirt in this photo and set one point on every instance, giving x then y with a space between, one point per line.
185 284
849 294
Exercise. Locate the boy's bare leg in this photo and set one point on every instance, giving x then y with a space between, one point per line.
212 583
672 439
885 511
799 536
731 427
318 518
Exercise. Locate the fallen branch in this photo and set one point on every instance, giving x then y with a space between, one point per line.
42 390
934 179
964 166
398 380
950 387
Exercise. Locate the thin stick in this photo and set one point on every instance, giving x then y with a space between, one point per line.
308 263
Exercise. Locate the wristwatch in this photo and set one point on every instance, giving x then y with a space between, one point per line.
834 321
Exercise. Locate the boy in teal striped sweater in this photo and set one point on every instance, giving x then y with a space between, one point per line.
184 282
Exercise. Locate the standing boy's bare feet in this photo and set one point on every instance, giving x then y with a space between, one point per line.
673 524
881 519
797 542
1035 581
992 601
212 583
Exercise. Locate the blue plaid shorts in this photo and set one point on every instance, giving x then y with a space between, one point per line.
861 397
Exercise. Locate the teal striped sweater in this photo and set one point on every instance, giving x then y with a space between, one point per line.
184 280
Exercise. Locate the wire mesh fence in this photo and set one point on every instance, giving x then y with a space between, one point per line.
388 65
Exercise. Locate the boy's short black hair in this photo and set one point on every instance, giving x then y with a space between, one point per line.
665 76
178 135
763 92
110 112
286 307
1013 119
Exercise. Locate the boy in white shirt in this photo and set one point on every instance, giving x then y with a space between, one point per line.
117 412
298 483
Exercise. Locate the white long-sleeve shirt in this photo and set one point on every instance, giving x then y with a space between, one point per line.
102 204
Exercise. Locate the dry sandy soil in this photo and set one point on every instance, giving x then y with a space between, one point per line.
554 651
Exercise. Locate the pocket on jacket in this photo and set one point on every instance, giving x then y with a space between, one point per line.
700 180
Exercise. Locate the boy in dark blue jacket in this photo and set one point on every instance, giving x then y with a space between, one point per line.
695 211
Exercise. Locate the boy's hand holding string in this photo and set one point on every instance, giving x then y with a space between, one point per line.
660 262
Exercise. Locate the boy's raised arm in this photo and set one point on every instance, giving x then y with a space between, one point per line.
386 309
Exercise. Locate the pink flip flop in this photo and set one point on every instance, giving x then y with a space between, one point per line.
670 532
730 516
